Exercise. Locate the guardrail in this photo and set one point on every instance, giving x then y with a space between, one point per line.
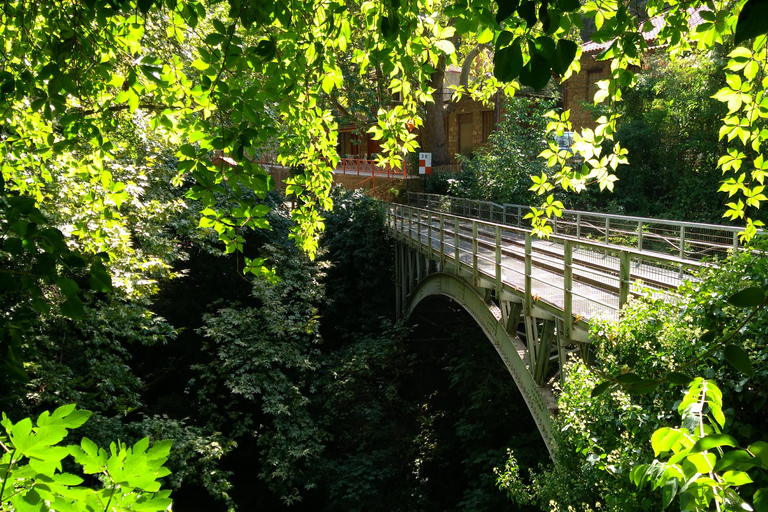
579 277
686 240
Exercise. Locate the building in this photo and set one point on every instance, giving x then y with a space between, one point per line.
579 90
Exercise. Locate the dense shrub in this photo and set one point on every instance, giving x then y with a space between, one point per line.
501 170
602 438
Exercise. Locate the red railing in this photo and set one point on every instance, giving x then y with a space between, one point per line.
357 165
349 166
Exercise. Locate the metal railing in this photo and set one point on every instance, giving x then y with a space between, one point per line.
583 278
686 240
358 165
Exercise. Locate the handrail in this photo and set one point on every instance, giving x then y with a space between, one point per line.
572 266
689 240
649 220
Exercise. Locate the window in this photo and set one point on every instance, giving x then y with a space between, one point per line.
487 124
465 133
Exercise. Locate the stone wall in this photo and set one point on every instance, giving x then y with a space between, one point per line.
475 109
577 89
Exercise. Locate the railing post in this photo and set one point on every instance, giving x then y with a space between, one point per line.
639 235
398 291
530 322
519 216
429 233
567 304
410 227
456 242
418 228
607 228
735 241
504 215
442 242
624 277
578 226
682 242
498 264
528 280
475 271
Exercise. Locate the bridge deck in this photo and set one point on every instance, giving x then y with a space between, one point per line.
494 252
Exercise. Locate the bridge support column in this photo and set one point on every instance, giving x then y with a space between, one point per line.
510 314
543 352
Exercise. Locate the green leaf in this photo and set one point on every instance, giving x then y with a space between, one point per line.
760 500
214 39
505 10
679 379
153 505
735 459
747 298
266 49
668 492
13 365
708 336
601 388
664 439
527 11
642 387
145 5
751 21
736 478
68 286
508 61
714 441
569 5
563 56
704 462
738 358
760 450
536 73
628 378
73 308
99 280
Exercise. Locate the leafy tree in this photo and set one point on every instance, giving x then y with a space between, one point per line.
742 126
716 331
669 127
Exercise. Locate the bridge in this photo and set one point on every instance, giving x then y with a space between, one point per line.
516 286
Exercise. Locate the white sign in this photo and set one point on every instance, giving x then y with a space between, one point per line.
425 163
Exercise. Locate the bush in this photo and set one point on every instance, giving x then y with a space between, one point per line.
601 439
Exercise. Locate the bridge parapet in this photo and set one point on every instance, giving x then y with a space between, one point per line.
686 240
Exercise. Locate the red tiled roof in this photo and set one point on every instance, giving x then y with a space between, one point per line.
654 26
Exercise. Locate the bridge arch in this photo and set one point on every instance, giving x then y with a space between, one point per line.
539 400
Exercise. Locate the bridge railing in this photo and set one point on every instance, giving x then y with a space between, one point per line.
580 277
686 240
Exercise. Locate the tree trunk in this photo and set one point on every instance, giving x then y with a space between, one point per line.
433 138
